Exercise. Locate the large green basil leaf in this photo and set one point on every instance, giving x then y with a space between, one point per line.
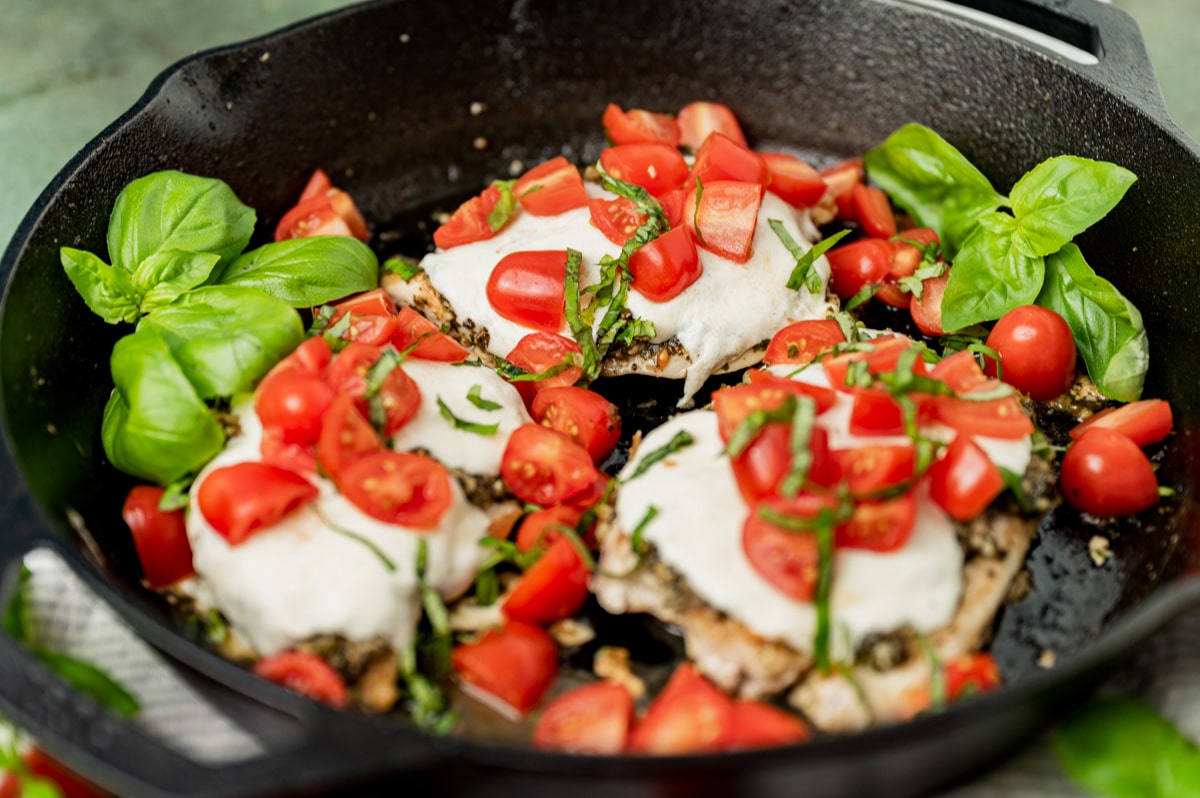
307 272
1061 197
164 276
989 277
1121 748
925 175
155 425
1107 327
226 337
171 210
107 291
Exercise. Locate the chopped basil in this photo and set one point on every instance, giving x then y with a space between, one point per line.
635 539
384 560
465 426
937 678
696 212
514 373
475 397
801 438
407 269
504 207
1012 480
804 275
681 440
175 495
750 427
826 520
861 297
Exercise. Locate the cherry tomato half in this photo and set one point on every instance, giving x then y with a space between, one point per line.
543 466
469 223
160 537
244 498
636 126
794 181
964 481
306 674
551 188
1105 473
617 218
1037 351
401 488
346 436
539 352
787 559
873 211
664 267
881 526
802 341
658 168
855 266
430 342
759 725
584 416
528 288
725 218
699 119
927 310
1143 422
553 588
722 158
593 719
293 403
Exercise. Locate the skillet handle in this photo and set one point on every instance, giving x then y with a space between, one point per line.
1099 28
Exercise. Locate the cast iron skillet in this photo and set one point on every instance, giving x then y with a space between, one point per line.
380 96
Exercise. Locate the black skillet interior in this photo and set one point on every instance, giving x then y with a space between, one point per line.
412 107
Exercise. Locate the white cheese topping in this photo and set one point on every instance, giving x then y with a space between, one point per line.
472 452
730 309
302 577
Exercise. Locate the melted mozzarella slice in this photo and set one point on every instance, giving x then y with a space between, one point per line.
308 575
729 310
429 429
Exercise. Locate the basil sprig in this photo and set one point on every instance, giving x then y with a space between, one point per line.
1002 260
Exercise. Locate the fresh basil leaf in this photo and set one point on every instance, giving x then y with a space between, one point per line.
155 425
172 210
680 440
475 397
307 272
1107 327
108 291
1121 748
803 274
990 277
225 338
925 175
407 269
90 680
164 276
1061 197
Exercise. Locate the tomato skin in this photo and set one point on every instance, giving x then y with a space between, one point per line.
376 302
636 126
658 168
584 416
841 179
400 398
964 481
593 719
539 352
880 526
551 188
875 412
346 436
996 418
244 498
273 450
767 392
690 715
761 466
553 588
1037 351
855 266
759 725
306 674
537 528
883 355
347 374
1144 422
927 310
663 268
293 403
977 671
794 181
873 211
430 342
329 213
725 217
616 218
870 469
310 358
160 537
960 372
800 342
1105 473
469 223
515 664
409 490
528 288
722 158
672 204
788 560
699 119
543 466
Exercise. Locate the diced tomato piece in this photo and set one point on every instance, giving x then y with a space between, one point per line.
617 218
372 330
1105 473
972 672
960 372
761 466
160 537
539 352
794 181
593 719
348 372
431 343
306 674
543 466
242 499
875 412
995 418
469 223
551 188
317 185
672 204
636 126
690 715
322 211
871 469
274 450
584 416
554 587
346 436
841 180
787 559
723 216
722 158
855 266
527 287
964 481
293 403
1144 422
514 664
881 355
700 119
664 267
376 302
658 168
400 398
759 725
873 211
881 526
311 357
802 341
767 392
927 310
538 528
